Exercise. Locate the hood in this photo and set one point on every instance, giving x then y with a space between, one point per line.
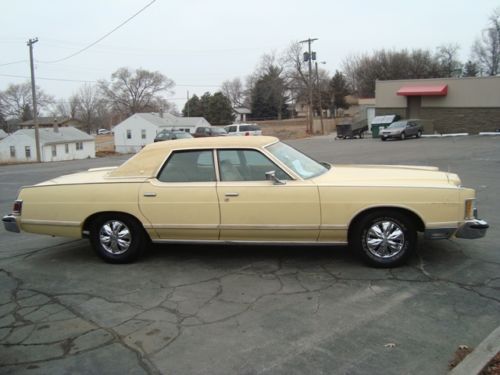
388 175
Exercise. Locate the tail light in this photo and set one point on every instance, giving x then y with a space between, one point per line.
18 207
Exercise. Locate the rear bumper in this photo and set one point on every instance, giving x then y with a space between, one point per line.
10 224
472 229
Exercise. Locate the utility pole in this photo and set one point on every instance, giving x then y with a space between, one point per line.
187 103
319 98
308 58
33 93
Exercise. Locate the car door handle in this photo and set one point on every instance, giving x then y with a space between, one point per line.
149 194
232 194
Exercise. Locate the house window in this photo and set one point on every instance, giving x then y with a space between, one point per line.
129 134
12 151
143 133
66 148
54 150
79 145
27 152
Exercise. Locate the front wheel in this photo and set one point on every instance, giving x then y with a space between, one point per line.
361 135
403 136
384 238
419 133
383 138
117 238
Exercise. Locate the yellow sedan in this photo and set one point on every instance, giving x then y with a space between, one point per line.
248 189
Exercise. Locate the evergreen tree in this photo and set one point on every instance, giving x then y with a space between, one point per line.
216 108
268 96
470 69
339 89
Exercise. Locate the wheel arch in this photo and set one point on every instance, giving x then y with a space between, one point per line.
88 221
414 217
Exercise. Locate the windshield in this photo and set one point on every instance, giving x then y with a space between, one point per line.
301 164
218 130
398 124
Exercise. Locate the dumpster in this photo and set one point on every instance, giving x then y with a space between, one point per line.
382 122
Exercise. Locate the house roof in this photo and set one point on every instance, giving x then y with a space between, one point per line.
169 120
3 134
63 135
242 110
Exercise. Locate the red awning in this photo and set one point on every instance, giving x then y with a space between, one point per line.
438 90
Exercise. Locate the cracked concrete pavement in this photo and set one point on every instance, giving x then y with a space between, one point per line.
253 309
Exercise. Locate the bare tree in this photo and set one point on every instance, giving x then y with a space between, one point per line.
66 108
486 49
17 100
447 55
88 100
234 90
133 92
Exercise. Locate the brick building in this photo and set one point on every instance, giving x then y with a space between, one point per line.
453 104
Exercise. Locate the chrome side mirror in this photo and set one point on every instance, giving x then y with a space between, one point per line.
271 176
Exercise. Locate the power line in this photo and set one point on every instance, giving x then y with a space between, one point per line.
14 62
101 38
91 81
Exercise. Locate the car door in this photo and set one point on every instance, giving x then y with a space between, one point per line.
255 209
181 202
411 128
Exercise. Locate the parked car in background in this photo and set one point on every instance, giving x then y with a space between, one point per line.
243 129
167 135
103 131
205 131
403 129
248 189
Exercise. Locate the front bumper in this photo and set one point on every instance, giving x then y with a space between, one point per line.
10 224
472 229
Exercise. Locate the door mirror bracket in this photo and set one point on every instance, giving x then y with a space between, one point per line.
271 176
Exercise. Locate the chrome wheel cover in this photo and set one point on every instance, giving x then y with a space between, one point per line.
115 237
384 239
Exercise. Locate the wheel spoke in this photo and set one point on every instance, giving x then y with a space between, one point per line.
115 237
384 238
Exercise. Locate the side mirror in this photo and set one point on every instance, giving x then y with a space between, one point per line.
271 176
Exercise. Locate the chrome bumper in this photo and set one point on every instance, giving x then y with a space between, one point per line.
10 224
472 229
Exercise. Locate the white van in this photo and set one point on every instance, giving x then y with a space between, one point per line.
243 129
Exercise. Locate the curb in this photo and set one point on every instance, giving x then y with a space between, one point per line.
475 361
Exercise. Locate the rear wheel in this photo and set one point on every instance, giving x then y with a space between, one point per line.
117 238
403 136
419 133
384 238
361 135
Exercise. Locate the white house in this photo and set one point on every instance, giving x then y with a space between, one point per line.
56 144
140 129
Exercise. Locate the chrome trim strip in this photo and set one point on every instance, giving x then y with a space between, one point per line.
51 222
324 185
333 226
269 226
246 226
243 242
181 226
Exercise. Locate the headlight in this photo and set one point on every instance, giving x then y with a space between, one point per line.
470 209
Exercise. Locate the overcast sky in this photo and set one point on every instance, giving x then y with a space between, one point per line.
201 43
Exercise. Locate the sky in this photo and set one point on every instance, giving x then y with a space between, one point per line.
199 44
